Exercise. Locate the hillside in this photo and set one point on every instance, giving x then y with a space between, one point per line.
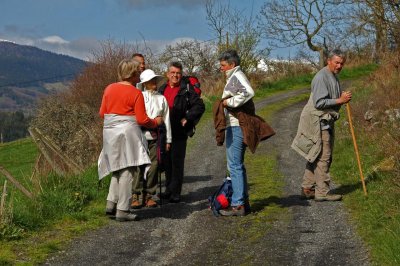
27 73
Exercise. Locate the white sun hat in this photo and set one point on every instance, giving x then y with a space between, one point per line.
148 75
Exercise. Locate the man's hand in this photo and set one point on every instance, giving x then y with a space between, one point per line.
159 120
225 103
183 122
168 146
345 97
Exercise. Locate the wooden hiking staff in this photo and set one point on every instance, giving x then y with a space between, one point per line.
356 147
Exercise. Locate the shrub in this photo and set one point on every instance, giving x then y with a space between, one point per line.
70 119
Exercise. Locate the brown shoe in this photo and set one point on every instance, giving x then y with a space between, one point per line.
233 211
149 202
329 197
307 193
136 202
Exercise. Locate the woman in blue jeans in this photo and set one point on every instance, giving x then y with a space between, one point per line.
236 93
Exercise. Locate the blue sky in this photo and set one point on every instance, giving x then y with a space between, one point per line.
75 27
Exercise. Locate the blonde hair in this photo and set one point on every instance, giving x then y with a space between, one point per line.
127 68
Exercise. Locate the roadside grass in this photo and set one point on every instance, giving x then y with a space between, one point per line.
377 216
67 207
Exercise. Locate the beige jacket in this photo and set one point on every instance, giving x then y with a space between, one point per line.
308 138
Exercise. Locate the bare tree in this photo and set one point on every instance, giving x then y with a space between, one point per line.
378 19
235 30
394 22
294 22
216 19
368 17
195 56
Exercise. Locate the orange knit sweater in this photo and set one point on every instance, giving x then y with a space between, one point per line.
123 99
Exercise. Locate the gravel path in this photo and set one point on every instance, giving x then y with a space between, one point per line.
188 234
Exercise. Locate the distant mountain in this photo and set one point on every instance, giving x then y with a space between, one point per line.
27 73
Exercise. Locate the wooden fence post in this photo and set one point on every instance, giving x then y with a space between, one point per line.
15 182
3 201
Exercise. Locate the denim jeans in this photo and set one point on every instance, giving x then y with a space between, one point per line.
235 149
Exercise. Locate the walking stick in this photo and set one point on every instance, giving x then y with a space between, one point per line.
159 160
159 180
356 147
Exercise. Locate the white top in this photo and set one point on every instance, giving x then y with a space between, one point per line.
157 105
239 88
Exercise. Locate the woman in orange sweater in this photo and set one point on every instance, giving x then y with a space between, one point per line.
124 146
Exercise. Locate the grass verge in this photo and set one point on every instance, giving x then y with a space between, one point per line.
67 207
377 216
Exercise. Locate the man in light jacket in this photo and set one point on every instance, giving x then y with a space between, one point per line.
315 135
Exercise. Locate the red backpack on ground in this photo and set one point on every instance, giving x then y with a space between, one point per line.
194 81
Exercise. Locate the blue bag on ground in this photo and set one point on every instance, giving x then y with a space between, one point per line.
221 199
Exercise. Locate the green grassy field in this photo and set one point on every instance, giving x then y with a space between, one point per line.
18 158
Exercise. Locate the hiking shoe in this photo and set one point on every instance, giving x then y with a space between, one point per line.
307 193
165 195
247 208
111 208
328 197
136 202
233 211
125 216
175 199
149 202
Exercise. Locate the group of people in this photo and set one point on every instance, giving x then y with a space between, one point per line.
143 120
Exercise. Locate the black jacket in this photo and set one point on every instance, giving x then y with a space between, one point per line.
187 104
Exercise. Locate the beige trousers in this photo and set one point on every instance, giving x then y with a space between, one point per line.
317 173
120 191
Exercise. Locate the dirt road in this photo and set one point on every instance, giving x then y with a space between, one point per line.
187 233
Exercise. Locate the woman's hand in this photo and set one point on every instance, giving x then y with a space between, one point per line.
159 120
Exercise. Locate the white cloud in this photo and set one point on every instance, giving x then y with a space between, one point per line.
79 48
55 40
84 48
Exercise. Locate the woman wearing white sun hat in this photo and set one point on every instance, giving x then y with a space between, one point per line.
156 105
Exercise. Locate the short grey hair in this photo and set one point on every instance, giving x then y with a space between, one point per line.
176 64
127 68
230 56
336 52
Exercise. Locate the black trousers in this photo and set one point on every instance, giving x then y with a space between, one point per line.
174 167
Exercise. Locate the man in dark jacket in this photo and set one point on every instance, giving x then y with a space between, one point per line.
186 109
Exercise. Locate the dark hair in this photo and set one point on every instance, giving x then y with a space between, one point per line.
137 55
336 52
175 64
230 56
